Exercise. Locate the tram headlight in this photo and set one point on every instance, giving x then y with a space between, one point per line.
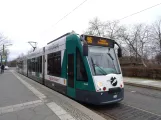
99 84
122 84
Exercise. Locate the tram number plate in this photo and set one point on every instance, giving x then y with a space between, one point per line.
115 96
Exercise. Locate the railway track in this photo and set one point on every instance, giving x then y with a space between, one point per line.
121 111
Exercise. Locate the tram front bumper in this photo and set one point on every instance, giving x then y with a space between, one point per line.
99 98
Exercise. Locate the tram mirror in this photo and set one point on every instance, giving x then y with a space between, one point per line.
85 50
119 52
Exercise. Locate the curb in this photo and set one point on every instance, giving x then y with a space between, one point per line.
143 86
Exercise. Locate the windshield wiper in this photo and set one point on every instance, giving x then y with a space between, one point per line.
110 56
93 66
104 72
112 60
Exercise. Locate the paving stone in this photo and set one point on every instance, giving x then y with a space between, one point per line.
25 114
43 110
52 117
60 112
8 116
65 117
12 91
38 117
6 109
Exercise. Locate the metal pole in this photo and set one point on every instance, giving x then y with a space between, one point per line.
4 54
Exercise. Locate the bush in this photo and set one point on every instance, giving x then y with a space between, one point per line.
153 73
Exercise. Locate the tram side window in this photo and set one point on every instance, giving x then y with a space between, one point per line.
54 64
33 64
21 64
37 64
50 63
27 64
40 61
81 71
30 65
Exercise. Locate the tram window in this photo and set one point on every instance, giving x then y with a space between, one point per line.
40 64
21 64
30 65
81 71
50 64
54 64
33 64
37 62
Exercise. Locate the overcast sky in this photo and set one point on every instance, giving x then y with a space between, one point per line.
34 20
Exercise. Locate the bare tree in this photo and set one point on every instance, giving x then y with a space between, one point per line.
113 29
3 39
156 34
95 27
20 57
136 41
158 58
109 29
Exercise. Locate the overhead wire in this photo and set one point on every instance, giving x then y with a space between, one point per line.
118 19
70 12
139 11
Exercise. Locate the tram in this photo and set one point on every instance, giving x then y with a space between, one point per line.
83 67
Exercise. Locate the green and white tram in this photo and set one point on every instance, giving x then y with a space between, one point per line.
83 67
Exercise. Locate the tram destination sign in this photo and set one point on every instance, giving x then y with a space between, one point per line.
99 41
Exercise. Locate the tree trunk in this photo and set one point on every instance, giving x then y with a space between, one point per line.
143 62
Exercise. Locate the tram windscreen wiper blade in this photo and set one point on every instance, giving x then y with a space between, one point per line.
93 65
112 60
104 72
110 56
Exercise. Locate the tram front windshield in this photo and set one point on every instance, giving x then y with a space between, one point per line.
103 61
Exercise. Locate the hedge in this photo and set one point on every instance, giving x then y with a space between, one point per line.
153 73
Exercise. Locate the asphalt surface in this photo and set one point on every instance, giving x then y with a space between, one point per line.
138 104
143 98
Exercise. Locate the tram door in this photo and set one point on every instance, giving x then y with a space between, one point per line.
71 75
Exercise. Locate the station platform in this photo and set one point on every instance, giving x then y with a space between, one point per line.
142 82
24 99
